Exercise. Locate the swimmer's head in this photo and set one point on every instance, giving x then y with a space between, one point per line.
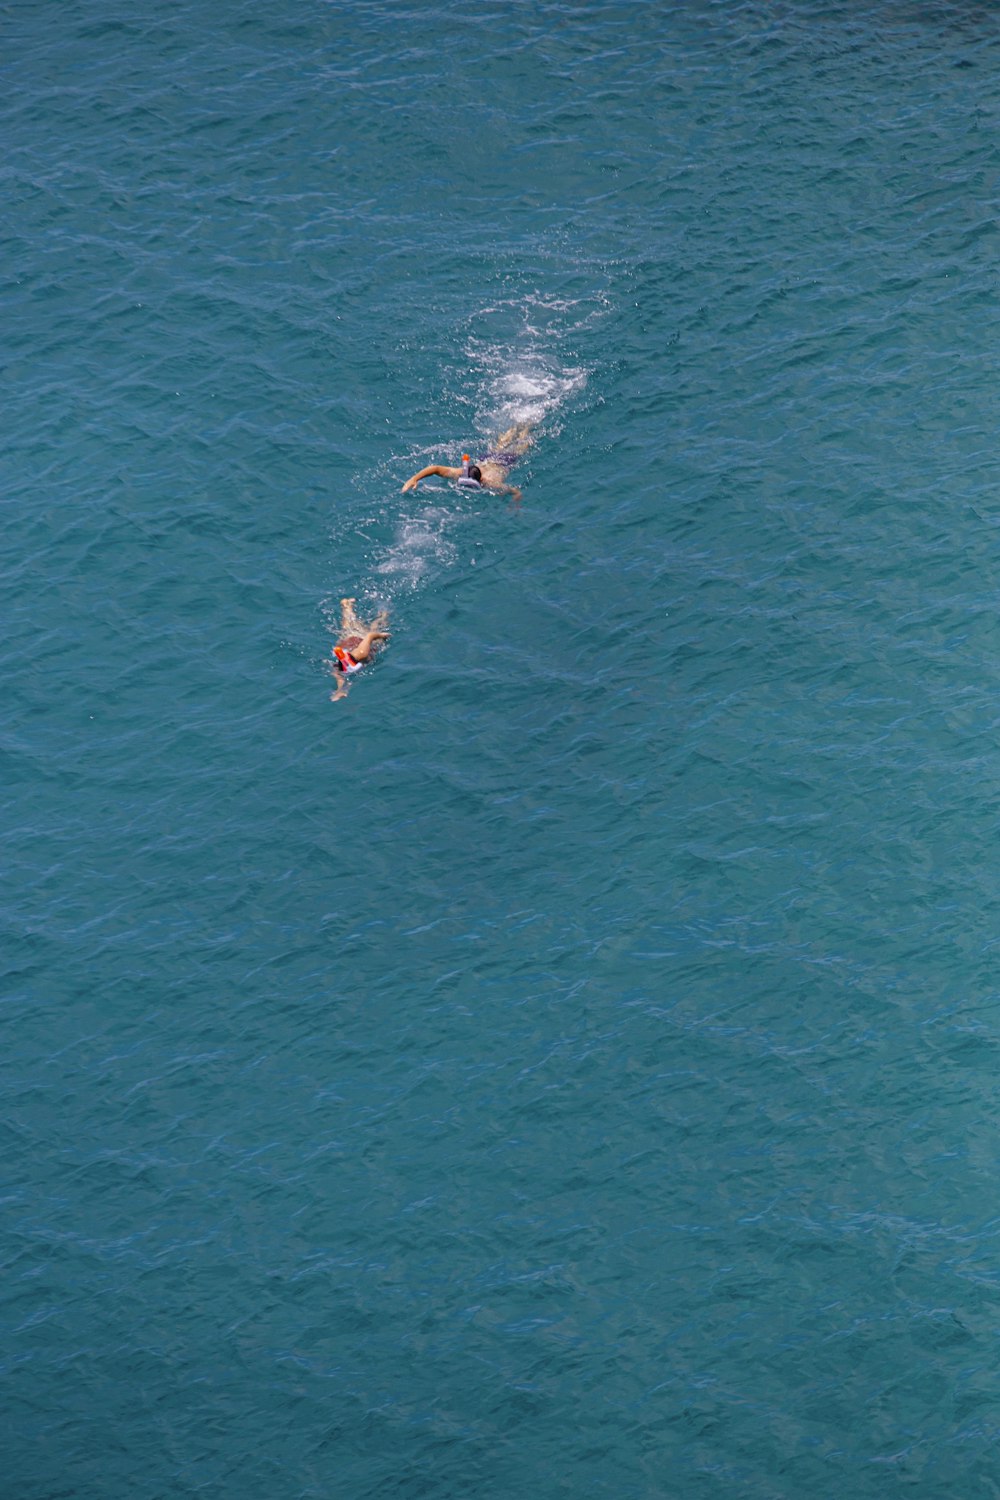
470 476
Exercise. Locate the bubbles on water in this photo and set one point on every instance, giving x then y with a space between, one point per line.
522 375
525 389
422 544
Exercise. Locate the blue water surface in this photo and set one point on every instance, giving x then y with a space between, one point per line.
568 1067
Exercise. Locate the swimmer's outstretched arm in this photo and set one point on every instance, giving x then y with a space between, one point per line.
441 470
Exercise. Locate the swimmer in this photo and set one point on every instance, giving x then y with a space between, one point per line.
490 471
355 645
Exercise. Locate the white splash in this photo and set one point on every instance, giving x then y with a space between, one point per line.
524 389
421 545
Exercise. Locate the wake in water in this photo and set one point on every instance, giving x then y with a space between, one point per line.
522 390
422 546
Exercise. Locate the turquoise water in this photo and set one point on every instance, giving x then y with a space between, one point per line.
568 1067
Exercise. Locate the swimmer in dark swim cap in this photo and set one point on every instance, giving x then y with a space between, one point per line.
491 470
355 645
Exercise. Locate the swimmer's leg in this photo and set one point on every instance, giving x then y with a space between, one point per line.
349 622
516 439
363 650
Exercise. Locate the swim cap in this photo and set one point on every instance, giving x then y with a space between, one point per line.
345 661
466 481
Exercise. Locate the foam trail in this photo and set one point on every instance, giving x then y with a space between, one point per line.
527 390
422 545
523 378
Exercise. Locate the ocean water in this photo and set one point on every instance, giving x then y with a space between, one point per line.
569 1066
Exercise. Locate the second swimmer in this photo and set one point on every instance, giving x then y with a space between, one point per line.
355 644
